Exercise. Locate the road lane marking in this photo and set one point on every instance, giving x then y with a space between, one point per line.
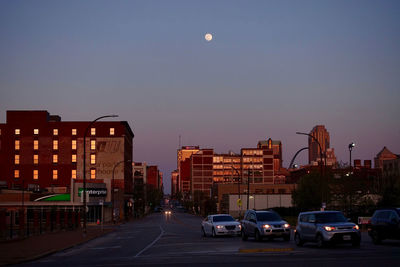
152 243
255 250
106 247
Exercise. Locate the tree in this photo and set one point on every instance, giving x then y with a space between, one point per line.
309 192
390 194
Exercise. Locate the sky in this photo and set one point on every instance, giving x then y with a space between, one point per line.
272 68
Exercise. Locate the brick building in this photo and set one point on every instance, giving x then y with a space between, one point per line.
40 152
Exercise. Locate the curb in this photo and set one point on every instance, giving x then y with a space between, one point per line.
255 250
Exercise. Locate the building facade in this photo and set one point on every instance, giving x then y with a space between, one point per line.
39 152
320 133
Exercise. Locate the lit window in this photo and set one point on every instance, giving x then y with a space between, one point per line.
73 174
55 144
93 174
17 131
112 131
74 131
74 158
36 131
92 144
35 174
73 144
55 131
55 174
16 159
55 158
17 145
93 159
35 159
16 173
93 131
35 144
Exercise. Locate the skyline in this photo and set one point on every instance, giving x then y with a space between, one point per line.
272 68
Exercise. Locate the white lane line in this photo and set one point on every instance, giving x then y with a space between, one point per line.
106 247
151 244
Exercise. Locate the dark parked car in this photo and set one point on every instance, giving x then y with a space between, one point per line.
385 224
259 224
326 227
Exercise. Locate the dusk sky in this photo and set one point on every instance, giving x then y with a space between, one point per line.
271 69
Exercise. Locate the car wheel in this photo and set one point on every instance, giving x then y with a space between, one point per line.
320 241
213 233
375 237
244 236
203 232
257 236
297 240
286 237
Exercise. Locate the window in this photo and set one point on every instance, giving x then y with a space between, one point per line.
92 144
93 159
17 131
73 144
55 174
35 174
55 131
55 158
17 145
16 173
73 158
35 131
73 174
35 144
93 174
16 159
74 131
55 144
112 131
35 159
93 131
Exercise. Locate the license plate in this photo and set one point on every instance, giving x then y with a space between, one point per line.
346 237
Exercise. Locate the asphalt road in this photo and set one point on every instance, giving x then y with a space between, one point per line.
176 239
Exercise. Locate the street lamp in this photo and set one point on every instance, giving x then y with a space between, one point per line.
320 151
351 145
84 167
238 182
112 187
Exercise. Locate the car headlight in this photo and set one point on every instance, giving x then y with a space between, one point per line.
266 226
329 228
220 226
356 227
286 225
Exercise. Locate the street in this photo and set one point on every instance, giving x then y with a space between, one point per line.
176 239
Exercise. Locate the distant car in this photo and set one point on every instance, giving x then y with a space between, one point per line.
220 224
259 224
157 209
385 224
167 212
326 227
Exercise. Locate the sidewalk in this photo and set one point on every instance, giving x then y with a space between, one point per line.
34 247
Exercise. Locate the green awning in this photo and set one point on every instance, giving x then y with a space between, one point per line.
60 197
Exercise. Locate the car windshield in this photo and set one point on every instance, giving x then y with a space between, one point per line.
223 218
330 217
268 216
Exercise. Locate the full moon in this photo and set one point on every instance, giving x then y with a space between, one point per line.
208 37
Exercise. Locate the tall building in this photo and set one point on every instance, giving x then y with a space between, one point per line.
183 166
174 182
38 150
154 177
276 147
321 134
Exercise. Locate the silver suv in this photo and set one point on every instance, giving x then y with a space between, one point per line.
326 227
264 224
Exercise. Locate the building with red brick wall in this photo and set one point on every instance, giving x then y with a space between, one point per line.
154 177
38 150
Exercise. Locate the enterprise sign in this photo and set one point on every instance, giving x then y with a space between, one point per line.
94 192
